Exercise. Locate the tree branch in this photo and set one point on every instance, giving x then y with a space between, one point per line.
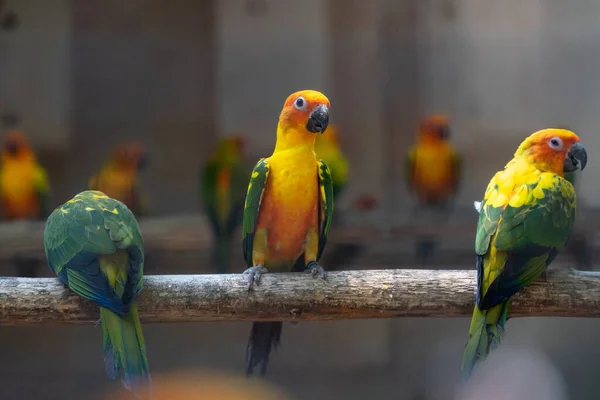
285 297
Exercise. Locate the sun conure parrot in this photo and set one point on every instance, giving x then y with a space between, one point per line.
288 209
118 178
24 186
433 169
223 183
94 244
526 216
328 150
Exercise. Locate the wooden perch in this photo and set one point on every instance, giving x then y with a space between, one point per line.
285 297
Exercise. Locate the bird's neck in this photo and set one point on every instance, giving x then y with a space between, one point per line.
291 138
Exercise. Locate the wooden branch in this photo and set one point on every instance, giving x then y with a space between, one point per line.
285 297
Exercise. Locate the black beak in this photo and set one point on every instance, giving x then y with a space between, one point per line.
576 155
318 119
143 162
444 132
12 148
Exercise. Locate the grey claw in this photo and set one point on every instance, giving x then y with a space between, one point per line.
315 269
254 274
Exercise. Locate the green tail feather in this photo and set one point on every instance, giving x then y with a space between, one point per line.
222 256
124 347
487 329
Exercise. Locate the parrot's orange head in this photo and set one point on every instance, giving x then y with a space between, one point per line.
304 113
435 127
130 156
554 150
16 146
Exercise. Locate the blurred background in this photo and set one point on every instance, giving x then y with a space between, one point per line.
80 78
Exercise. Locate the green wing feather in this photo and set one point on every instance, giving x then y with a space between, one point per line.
256 188
325 205
530 235
83 229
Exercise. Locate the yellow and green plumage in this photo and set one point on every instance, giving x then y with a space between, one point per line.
223 184
526 216
288 208
328 149
94 244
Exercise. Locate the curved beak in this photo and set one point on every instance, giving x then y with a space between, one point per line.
444 132
576 155
11 148
318 119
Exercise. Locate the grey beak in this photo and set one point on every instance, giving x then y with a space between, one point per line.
318 119
576 155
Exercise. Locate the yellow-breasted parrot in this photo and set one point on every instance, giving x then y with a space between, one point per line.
118 178
288 209
94 244
223 183
328 149
433 169
24 185
526 216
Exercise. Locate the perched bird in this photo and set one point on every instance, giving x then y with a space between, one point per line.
223 183
288 209
94 244
24 186
118 178
328 150
433 169
526 216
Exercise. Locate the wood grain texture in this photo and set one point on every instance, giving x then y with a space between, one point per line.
297 296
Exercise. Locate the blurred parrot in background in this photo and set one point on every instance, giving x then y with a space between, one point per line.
288 209
24 191
433 170
118 178
328 150
526 216
24 186
94 244
223 185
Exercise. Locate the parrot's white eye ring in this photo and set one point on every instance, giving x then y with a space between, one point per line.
300 103
556 143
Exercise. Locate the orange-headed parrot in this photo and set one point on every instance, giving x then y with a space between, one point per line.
433 169
288 209
118 178
24 186
526 216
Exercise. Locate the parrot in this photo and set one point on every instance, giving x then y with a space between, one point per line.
94 244
24 185
433 170
223 184
328 149
288 210
526 216
118 178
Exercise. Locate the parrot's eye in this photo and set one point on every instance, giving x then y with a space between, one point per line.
555 143
300 103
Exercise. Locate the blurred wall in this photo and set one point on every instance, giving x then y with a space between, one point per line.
34 70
